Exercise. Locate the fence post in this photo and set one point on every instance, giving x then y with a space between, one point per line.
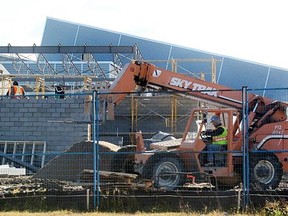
245 148
96 176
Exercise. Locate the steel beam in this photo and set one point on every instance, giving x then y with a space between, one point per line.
67 49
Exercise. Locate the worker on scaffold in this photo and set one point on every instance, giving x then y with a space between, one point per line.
16 91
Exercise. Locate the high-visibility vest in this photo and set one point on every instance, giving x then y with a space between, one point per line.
221 139
16 90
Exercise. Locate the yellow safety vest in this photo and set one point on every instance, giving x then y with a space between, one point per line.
221 139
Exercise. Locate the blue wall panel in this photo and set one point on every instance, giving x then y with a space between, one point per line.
150 50
231 72
96 37
236 74
59 33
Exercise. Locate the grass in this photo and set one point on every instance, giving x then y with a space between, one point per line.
69 213
276 208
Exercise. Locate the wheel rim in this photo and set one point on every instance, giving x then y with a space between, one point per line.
166 174
264 171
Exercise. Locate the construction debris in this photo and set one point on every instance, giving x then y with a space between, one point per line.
6 170
19 186
106 176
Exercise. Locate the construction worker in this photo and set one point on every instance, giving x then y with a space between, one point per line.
16 91
59 91
219 142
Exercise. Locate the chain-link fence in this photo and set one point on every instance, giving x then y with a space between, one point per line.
151 151
44 146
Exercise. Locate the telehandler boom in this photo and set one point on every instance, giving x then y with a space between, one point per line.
168 162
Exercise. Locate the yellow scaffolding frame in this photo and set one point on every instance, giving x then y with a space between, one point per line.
172 121
40 85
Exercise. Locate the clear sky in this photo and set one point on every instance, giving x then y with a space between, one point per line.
253 30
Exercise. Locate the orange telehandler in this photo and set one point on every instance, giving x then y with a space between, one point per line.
167 162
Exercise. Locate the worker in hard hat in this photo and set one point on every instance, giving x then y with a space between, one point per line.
16 91
219 142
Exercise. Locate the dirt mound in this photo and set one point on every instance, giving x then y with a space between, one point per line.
69 165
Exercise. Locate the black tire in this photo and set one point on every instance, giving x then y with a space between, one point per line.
122 162
166 172
265 171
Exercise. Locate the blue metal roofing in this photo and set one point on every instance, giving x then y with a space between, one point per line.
231 72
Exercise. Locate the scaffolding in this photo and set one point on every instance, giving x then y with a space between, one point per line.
172 120
85 72
42 75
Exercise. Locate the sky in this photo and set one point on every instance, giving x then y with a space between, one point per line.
252 30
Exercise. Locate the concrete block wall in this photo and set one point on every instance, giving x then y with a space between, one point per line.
59 122
63 122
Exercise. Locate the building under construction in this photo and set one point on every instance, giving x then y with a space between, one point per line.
79 65
104 65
